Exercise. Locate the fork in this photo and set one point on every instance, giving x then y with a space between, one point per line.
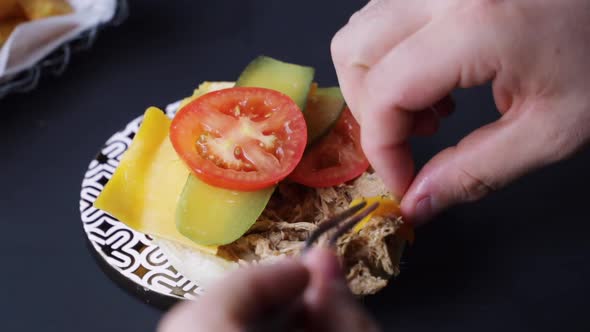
343 222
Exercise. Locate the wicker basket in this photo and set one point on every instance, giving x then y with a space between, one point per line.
57 61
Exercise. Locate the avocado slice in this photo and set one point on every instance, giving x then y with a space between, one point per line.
323 111
290 79
210 215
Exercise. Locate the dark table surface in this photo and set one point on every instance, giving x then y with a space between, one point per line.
518 260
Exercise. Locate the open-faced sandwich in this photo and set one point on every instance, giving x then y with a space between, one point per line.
246 170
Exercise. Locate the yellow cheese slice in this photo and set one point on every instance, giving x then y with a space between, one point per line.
387 207
144 191
204 88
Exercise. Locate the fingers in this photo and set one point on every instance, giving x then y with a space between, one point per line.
414 75
326 276
240 299
462 44
248 294
245 296
330 305
485 160
370 34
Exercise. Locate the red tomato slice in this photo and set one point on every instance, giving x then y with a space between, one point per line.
335 159
240 138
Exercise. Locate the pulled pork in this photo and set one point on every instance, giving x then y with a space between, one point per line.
369 257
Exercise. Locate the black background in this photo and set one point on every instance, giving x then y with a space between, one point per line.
518 260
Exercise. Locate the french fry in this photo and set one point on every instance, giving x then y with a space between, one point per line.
39 9
6 28
15 12
9 9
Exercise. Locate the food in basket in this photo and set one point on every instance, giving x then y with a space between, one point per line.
7 26
15 12
9 9
39 9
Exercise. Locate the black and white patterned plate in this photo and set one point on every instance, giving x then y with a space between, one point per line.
130 258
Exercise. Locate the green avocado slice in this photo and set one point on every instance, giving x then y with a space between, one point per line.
290 79
323 111
210 215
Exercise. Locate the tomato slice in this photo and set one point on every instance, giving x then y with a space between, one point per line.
335 159
240 138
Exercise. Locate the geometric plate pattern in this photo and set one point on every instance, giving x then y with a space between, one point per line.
131 254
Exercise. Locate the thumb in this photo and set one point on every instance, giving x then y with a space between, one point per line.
486 160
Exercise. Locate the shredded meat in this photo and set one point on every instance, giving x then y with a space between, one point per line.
369 257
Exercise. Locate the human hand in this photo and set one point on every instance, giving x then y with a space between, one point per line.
396 58
315 287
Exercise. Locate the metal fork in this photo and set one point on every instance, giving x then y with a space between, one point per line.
343 222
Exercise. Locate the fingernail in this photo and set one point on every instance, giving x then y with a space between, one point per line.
423 210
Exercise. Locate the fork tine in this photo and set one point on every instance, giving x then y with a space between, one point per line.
279 321
350 223
335 221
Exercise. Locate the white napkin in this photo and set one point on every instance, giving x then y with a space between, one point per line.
32 41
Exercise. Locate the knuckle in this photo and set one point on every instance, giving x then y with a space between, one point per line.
342 49
337 47
472 188
346 50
